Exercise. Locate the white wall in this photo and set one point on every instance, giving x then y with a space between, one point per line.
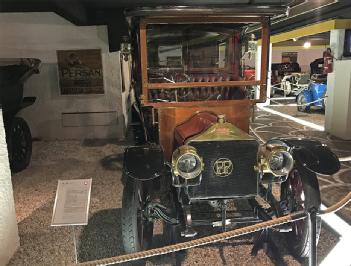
39 35
9 240
304 56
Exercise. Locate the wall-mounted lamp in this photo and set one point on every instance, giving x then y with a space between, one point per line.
125 47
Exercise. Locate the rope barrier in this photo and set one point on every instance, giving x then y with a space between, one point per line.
305 104
214 238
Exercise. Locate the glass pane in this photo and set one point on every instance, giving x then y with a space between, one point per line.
179 53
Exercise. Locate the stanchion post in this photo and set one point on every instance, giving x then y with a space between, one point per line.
312 226
74 244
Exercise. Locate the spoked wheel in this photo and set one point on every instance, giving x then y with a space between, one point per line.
301 192
19 142
137 231
301 101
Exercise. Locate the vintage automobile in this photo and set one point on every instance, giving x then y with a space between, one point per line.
280 70
314 95
199 167
13 74
294 83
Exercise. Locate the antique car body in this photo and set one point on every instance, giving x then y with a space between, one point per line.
294 83
312 96
13 74
279 70
198 164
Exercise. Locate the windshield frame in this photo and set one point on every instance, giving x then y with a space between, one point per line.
146 85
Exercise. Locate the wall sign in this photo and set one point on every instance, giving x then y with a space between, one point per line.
289 57
72 202
80 72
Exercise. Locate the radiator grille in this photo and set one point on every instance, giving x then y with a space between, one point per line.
243 180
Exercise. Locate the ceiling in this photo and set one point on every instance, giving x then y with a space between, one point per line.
310 12
92 12
321 39
111 12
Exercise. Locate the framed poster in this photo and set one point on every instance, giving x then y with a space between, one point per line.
289 57
80 72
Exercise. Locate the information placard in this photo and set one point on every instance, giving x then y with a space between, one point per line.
72 202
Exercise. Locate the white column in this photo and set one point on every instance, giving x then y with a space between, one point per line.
258 71
338 107
337 38
258 68
9 239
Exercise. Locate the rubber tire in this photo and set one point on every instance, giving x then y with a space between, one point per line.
300 248
130 205
301 99
287 91
19 123
273 91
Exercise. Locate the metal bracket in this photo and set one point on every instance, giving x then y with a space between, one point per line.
312 224
189 230
155 211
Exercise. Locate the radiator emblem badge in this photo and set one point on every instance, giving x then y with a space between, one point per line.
223 167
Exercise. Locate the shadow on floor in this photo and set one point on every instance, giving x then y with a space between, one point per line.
103 142
113 162
101 238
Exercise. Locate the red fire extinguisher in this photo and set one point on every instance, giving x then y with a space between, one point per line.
328 61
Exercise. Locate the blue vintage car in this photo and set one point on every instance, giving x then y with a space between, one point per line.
313 95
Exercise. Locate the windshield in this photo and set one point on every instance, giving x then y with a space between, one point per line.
199 60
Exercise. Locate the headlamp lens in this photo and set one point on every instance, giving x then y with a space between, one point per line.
187 163
281 162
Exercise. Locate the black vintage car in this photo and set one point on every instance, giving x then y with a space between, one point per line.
13 74
197 165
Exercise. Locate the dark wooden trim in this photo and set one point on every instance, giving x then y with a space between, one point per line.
198 103
264 59
203 84
143 59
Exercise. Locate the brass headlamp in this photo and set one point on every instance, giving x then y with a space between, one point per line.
276 159
186 162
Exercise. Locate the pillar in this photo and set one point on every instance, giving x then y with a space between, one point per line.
338 106
9 239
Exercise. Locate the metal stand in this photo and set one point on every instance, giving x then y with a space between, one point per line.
312 226
75 244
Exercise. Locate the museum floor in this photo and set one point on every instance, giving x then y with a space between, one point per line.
34 191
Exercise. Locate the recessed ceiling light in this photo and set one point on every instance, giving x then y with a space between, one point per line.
307 45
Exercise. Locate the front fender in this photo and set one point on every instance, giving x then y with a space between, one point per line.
313 155
143 162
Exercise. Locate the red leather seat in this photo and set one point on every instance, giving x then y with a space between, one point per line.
193 126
